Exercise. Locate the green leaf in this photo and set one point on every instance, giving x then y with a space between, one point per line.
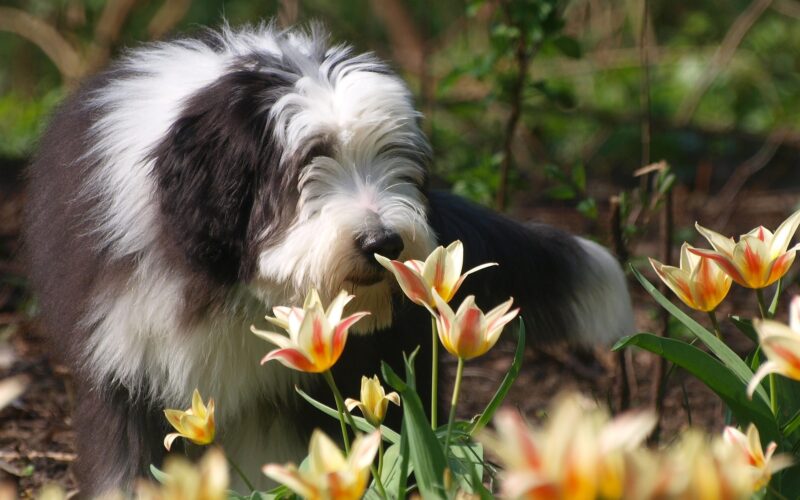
505 386
568 46
746 327
562 192
729 358
387 433
424 449
579 177
714 374
466 463
773 307
588 208
158 474
792 425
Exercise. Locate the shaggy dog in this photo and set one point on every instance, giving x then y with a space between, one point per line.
182 193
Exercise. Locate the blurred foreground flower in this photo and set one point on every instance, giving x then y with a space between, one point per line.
11 388
195 424
374 400
698 282
183 481
441 271
759 258
762 463
316 336
468 333
580 453
781 345
329 474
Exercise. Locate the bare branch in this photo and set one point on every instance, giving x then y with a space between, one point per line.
107 31
722 57
790 8
408 45
56 47
170 14
288 12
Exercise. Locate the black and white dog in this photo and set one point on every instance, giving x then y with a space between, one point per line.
181 194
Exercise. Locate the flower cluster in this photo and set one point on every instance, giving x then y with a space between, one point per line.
581 453
757 260
330 475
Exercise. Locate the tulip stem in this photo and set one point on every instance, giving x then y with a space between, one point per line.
380 459
762 307
337 396
239 471
453 404
715 324
434 373
345 414
773 394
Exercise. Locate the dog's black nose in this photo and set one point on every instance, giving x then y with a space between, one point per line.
384 242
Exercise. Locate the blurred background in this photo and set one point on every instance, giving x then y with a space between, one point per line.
625 120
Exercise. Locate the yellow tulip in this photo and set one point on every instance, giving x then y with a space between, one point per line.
316 336
183 481
763 464
781 345
759 258
374 400
195 424
698 282
468 333
441 271
330 476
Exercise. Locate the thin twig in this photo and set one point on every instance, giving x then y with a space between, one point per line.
737 180
65 57
722 57
167 17
108 30
288 12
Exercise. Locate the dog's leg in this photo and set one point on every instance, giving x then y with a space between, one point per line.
118 438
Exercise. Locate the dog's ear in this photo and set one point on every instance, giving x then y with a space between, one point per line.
210 165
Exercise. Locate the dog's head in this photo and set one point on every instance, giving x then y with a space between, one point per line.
293 167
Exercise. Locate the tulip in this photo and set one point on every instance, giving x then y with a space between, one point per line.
195 424
468 333
206 481
763 463
781 345
580 453
374 400
316 336
698 282
759 258
329 474
441 271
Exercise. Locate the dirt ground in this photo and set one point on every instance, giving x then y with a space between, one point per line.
37 442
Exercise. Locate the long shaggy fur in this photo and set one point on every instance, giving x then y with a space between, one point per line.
181 194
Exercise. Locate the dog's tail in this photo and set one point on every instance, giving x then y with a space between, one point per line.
568 288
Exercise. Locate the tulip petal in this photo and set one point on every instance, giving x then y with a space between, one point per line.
780 267
174 418
464 276
364 449
784 234
394 398
410 281
433 272
352 404
784 351
291 358
765 369
291 478
336 308
794 314
718 242
169 439
277 339
323 454
724 262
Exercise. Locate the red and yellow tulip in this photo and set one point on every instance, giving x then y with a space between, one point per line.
781 345
759 258
329 474
374 400
441 271
195 424
468 333
698 282
316 336
762 463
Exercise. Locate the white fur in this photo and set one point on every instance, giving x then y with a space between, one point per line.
603 308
